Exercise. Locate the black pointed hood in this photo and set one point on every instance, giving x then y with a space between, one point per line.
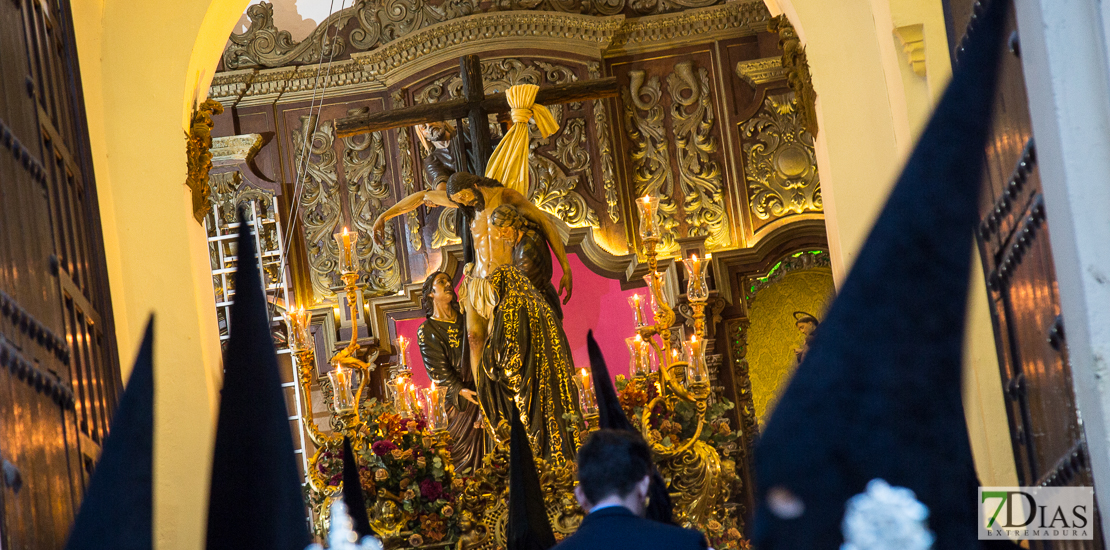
528 527
611 417
353 496
119 503
256 499
878 395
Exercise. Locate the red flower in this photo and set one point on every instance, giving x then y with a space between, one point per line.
431 489
382 447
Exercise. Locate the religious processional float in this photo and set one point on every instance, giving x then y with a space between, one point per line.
416 499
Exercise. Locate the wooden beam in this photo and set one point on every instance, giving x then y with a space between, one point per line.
470 69
459 108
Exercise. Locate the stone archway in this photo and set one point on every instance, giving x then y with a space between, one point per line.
142 64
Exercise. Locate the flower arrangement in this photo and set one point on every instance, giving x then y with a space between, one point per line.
403 465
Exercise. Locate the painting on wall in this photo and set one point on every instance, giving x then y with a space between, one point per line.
776 337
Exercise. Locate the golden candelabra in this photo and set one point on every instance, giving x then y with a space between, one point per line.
349 375
695 467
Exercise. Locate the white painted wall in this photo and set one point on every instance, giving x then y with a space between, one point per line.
1064 53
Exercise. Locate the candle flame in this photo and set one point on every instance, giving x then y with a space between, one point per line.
639 339
583 373
694 338
695 258
345 231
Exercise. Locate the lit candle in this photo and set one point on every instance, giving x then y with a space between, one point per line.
399 386
586 398
697 372
344 388
697 288
637 310
403 351
435 410
298 320
638 366
413 398
649 225
346 251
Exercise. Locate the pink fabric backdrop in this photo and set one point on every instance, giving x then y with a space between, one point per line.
597 303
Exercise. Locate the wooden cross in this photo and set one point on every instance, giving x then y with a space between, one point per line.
475 106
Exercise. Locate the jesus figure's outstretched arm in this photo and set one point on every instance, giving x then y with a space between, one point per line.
436 197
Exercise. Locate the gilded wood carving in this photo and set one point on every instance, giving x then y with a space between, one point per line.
605 151
651 163
364 165
781 165
699 176
198 159
379 22
796 64
315 164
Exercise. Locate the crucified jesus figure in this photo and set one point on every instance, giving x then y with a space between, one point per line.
490 208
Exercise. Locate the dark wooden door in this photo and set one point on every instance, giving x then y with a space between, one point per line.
59 372
1048 440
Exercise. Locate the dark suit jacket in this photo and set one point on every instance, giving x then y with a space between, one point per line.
617 528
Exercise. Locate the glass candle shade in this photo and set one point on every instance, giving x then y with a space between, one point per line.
435 408
697 373
398 388
658 290
346 241
697 287
587 400
298 321
639 364
344 387
412 397
648 206
403 350
636 303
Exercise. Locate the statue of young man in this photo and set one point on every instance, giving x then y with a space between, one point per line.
478 197
440 341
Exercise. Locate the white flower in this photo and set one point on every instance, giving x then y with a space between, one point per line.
341 534
886 517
